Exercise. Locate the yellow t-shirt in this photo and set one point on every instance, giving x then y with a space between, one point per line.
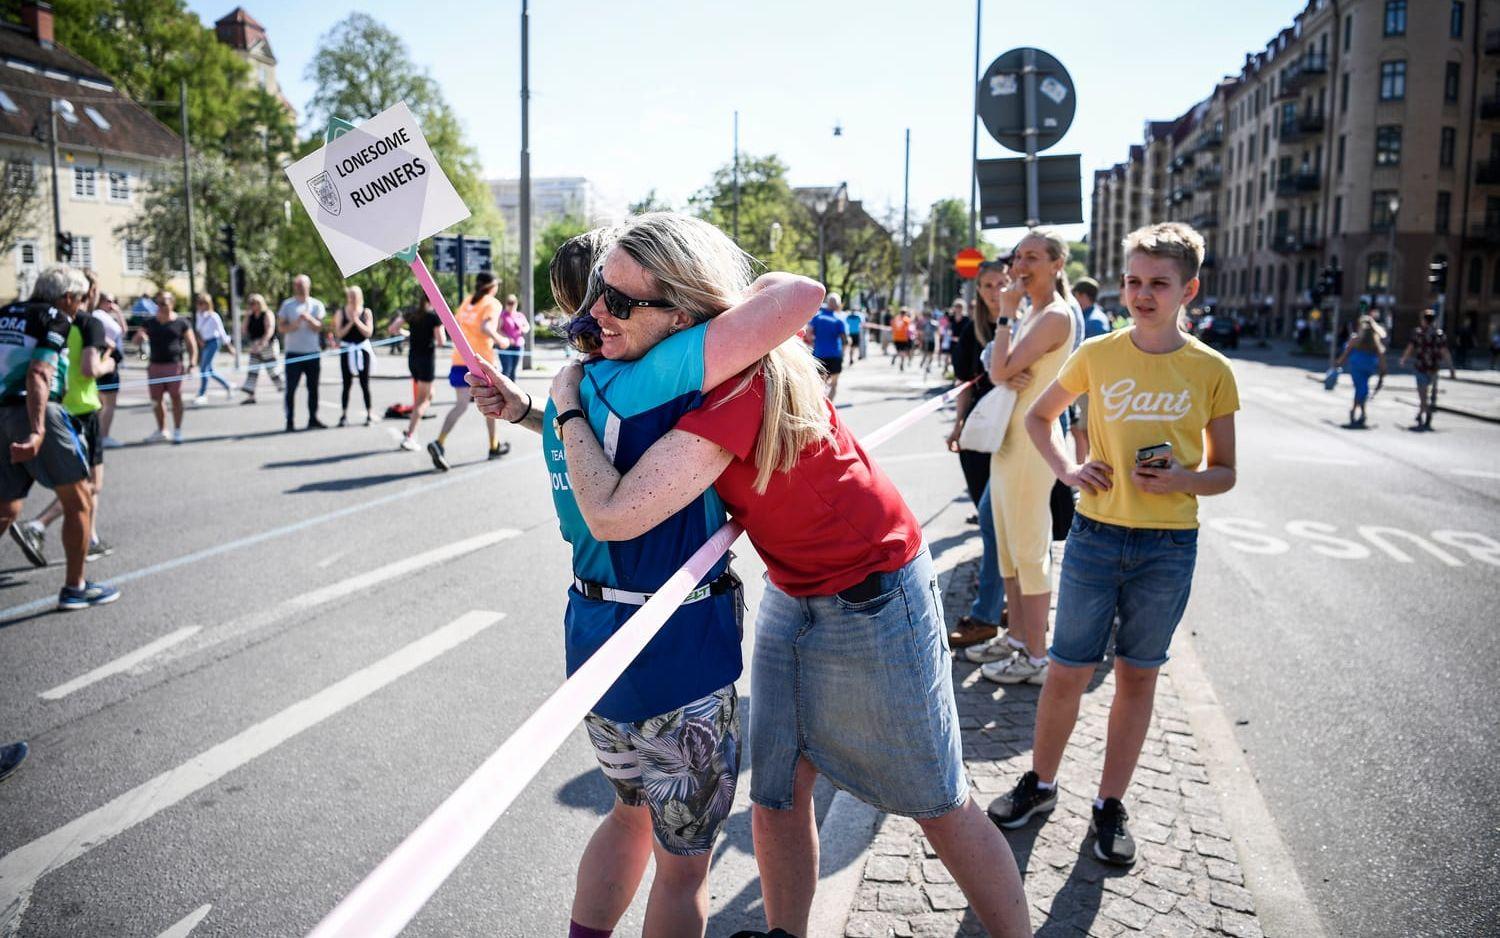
1137 399
471 318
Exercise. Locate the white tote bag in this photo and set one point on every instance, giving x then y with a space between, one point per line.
984 429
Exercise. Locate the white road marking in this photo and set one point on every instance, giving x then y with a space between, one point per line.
323 595
331 559
1317 460
451 478
1477 473
22 868
120 664
913 457
187 923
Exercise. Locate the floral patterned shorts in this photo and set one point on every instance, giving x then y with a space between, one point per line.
682 765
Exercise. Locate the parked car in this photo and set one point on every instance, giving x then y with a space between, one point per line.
1222 331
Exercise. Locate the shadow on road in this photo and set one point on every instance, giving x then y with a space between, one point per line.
356 482
324 460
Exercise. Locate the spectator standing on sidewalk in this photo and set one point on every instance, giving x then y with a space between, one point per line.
260 345
173 349
1363 356
353 325
1134 540
1095 323
112 321
38 440
300 323
513 329
88 360
479 320
424 334
211 337
1428 351
1020 482
829 334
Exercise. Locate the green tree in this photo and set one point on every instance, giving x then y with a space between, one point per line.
775 227
650 203
942 235
1078 261
551 238
361 68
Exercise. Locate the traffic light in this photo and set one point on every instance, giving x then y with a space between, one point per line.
226 242
1437 275
65 246
1333 281
238 281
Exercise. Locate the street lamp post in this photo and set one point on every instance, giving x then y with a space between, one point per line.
823 205
1390 265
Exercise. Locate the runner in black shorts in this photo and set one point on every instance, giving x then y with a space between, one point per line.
425 333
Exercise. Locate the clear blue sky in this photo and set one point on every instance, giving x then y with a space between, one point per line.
638 95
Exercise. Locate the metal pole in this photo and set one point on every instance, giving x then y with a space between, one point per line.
234 311
736 224
527 286
974 121
1028 90
932 254
187 192
461 272
822 257
905 223
56 185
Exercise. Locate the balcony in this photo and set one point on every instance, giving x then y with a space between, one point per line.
1205 221
1310 123
1287 242
1208 179
1488 174
1486 232
1492 42
1299 183
1311 66
1179 163
1208 140
1180 194
1489 107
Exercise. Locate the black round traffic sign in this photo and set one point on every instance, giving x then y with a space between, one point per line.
1002 99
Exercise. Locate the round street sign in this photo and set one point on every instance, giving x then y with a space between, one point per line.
966 263
1002 103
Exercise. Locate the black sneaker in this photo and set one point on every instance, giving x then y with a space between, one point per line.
439 458
316 424
29 542
11 757
1112 840
499 451
1026 799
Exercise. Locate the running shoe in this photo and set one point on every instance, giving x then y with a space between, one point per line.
1112 841
1026 800
92 594
98 549
1017 669
160 436
316 424
439 458
996 649
409 443
30 544
176 435
200 400
499 451
110 442
11 757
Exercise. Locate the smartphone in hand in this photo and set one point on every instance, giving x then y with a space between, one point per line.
1154 457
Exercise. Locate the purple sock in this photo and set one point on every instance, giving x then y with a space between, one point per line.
576 930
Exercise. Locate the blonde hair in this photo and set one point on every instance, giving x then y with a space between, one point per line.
1058 249
1171 240
359 297
702 272
256 298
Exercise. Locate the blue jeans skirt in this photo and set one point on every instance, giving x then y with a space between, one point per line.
864 691
1143 575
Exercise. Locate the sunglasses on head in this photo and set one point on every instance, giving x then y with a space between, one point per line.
620 305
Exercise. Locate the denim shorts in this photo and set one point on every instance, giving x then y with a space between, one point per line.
863 690
1143 575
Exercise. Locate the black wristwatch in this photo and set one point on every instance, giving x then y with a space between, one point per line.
562 418
1003 321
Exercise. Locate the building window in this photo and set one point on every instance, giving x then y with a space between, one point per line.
1456 20
1395 17
1338 215
1381 215
20 175
1393 80
1388 145
1447 142
1348 30
135 256
119 187
26 256
1476 276
83 252
1378 273
85 182
1260 233
1257 280
1344 93
1342 142
1450 83
1444 211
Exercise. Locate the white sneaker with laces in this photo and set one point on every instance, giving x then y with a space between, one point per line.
1017 669
160 436
200 400
410 444
996 649
177 435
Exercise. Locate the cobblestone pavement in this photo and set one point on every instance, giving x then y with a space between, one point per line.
1186 880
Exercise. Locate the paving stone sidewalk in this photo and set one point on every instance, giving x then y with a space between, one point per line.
1186 880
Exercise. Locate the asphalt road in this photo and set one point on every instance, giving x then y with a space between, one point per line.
341 636
351 634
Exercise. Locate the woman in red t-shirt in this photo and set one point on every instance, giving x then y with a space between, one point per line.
851 674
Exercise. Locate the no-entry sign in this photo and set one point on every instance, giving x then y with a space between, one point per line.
966 263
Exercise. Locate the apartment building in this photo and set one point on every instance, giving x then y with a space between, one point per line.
553 198
1364 136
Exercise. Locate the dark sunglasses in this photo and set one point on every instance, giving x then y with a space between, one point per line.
620 305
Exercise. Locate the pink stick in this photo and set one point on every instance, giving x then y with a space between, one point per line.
440 303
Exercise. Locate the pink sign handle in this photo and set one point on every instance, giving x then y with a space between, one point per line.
440 304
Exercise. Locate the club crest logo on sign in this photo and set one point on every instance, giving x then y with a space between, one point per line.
324 191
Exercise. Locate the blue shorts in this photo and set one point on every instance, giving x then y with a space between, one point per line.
1361 365
864 691
1424 378
1143 575
456 376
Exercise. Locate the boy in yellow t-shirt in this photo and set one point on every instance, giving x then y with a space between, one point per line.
1161 433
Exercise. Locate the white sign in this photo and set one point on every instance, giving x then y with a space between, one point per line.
376 190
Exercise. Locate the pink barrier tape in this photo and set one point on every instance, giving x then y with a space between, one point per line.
440 304
387 899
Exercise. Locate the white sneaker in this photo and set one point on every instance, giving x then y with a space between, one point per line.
996 649
177 435
110 442
200 400
159 436
1017 669
410 444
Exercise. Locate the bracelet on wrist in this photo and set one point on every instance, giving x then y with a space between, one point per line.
527 412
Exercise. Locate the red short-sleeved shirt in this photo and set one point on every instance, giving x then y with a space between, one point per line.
821 528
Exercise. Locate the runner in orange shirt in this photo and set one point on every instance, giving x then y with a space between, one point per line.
479 320
901 337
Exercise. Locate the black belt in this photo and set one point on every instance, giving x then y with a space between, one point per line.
726 582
